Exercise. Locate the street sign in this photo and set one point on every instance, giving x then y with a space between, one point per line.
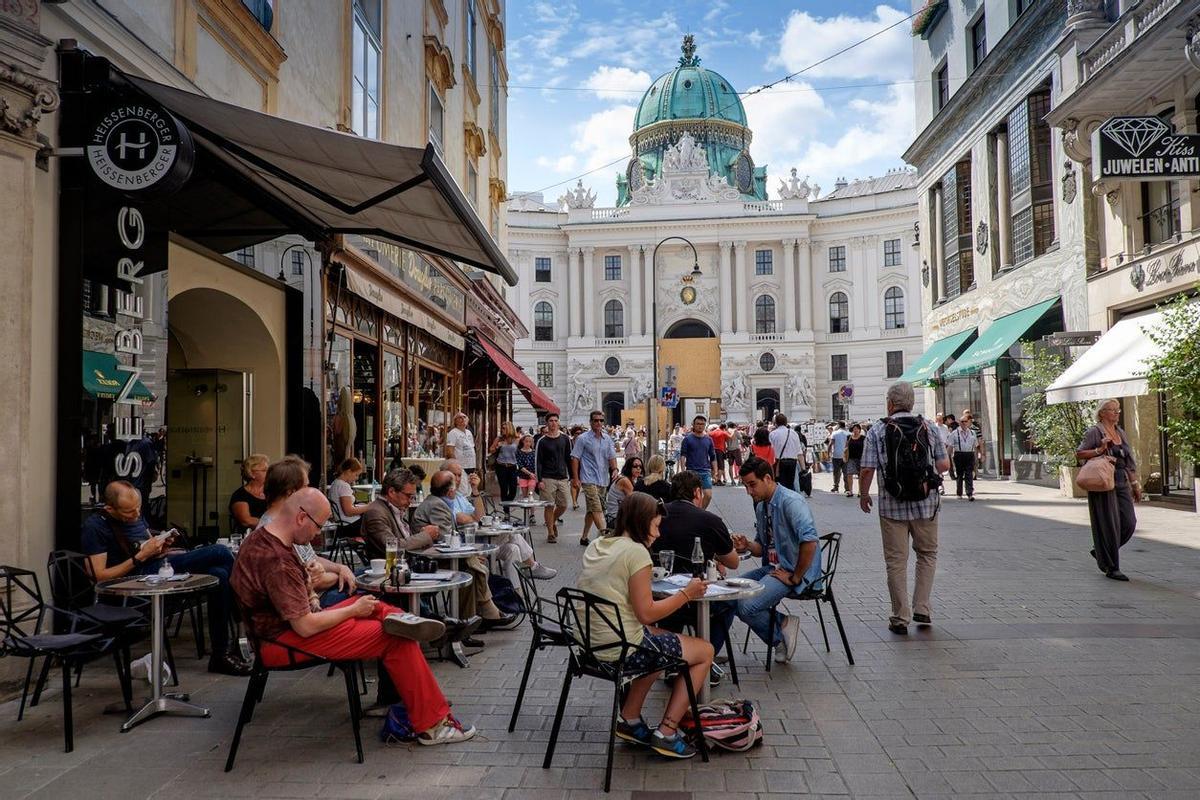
846 392
1144 149
1071 339
670 375
668 397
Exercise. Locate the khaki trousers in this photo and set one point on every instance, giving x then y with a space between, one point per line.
896 533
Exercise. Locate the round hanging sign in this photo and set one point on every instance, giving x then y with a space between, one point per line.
137 146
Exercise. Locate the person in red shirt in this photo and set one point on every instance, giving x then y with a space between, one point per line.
719 439
273 592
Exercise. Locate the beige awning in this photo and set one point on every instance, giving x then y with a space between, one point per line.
335 182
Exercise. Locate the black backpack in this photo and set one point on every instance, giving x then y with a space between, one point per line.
908 472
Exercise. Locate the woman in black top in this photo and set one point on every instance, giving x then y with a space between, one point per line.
249 503
1112 513
654 484
854 451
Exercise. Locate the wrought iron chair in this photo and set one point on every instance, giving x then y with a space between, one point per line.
544 618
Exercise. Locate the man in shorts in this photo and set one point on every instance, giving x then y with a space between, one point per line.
552 460
697 454
593 465
719 439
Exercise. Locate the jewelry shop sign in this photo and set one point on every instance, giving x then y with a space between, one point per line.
1144 149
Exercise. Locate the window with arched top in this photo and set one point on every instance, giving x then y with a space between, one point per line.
764 314
614 320
543 322
893 308
839 313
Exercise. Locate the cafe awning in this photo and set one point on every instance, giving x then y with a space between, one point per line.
102 379
536 397
941 351
1112 367
995 341
334 182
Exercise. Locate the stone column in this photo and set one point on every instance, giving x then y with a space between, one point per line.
524 281
635 291
27 435
589 293
789 286
935 245
569 312
860 289
741 302
807 283
871 257
1185 123
726 281
1003 203
649 287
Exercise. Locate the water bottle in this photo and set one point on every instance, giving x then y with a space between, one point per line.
697 559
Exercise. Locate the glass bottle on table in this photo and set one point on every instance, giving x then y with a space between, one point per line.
697 559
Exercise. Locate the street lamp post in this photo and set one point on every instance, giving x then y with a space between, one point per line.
651 401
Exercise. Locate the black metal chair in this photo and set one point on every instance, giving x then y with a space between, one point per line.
76 640
820 592
581 615
298 659
544 618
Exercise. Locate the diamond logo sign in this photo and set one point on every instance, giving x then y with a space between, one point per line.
1135 134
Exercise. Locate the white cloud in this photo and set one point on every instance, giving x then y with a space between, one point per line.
617 83
633 43
560 164
718 8
783 119
755 38
807 39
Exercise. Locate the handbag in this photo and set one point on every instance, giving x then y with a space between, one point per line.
1097 475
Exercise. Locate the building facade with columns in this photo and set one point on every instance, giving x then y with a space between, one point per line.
796 297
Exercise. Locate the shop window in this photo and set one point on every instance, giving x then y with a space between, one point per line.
958 265
393 405
543 322
894 363
545 374
837 258
437 120
764 314
839 367
541 270
763 262
365 69
1160 203
612 268
839 313
1031 191
614 320
471 43
891 253
893 308
978 40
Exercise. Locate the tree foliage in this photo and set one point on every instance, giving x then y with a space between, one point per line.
1175 371
1057 429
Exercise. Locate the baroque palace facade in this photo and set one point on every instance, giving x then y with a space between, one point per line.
797 297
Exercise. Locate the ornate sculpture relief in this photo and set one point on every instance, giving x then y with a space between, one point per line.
1191 39
685 178
24 98
794 188
1069 187
578 197
800 389
439 63
736 393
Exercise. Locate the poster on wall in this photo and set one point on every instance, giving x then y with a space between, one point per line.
1144 149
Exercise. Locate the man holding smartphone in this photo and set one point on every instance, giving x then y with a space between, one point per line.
118 542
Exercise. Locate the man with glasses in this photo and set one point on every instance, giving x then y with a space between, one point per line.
272 590
593 467
388 516
118 542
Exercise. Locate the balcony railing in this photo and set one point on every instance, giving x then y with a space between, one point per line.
1131 26
611 342
602 214
763 207
766 337
893 333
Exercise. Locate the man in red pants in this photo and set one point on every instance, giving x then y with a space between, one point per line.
273 591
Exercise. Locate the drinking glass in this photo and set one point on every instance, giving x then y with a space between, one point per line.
666 560
468 533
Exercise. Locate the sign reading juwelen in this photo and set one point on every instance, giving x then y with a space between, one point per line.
1144 149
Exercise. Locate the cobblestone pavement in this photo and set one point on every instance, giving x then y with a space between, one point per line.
1039 678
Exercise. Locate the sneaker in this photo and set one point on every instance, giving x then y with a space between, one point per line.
229 664
790 631
448 731
410 626
922 619
583 541
715 674
638 733
673 746
541 572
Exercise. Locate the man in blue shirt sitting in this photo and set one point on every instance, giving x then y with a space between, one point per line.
698 454
118 542
786 540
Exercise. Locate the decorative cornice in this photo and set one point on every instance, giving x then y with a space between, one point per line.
474 139
438 7
472 90
497 148
245 31
24 98
789 242
495 30
498 190
439 63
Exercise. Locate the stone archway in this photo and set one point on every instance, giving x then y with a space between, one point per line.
689 329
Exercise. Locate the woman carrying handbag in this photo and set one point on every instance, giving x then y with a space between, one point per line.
1105 451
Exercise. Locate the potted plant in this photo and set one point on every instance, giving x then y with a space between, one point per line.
1175 371
1056 429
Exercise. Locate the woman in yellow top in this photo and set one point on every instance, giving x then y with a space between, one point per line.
617 568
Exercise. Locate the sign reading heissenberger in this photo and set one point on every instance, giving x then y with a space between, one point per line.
1144 149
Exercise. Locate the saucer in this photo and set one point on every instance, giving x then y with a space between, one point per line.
370 574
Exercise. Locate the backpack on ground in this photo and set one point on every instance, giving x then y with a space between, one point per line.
397 727
727 724
504 595
908 472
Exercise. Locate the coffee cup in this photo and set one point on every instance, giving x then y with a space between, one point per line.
456 540
378 565
658 573
486 521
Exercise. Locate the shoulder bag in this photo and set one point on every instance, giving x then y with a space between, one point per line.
1097 475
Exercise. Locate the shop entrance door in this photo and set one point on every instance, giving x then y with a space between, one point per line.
208 435
613 403
767 403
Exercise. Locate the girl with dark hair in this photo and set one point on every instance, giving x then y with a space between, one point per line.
761 446
622 487
617 568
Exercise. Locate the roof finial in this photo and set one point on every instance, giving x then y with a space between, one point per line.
689 52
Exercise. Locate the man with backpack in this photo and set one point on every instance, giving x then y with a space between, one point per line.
909 453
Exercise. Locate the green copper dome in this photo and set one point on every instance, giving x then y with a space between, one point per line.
689 92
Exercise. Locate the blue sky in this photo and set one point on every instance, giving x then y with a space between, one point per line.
577 71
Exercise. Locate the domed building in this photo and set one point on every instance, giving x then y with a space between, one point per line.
697 101
795 302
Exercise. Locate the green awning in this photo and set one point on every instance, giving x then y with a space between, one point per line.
941 351
995 341
102 379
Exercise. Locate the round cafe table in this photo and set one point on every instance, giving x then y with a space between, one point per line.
703 623
156 589
453 556
527 505
411 592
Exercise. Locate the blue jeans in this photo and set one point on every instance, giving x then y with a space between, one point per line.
215 560
754 611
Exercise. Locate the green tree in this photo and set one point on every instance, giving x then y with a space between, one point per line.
1175 371
1057 429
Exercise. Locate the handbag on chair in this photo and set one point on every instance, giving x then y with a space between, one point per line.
1097 475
